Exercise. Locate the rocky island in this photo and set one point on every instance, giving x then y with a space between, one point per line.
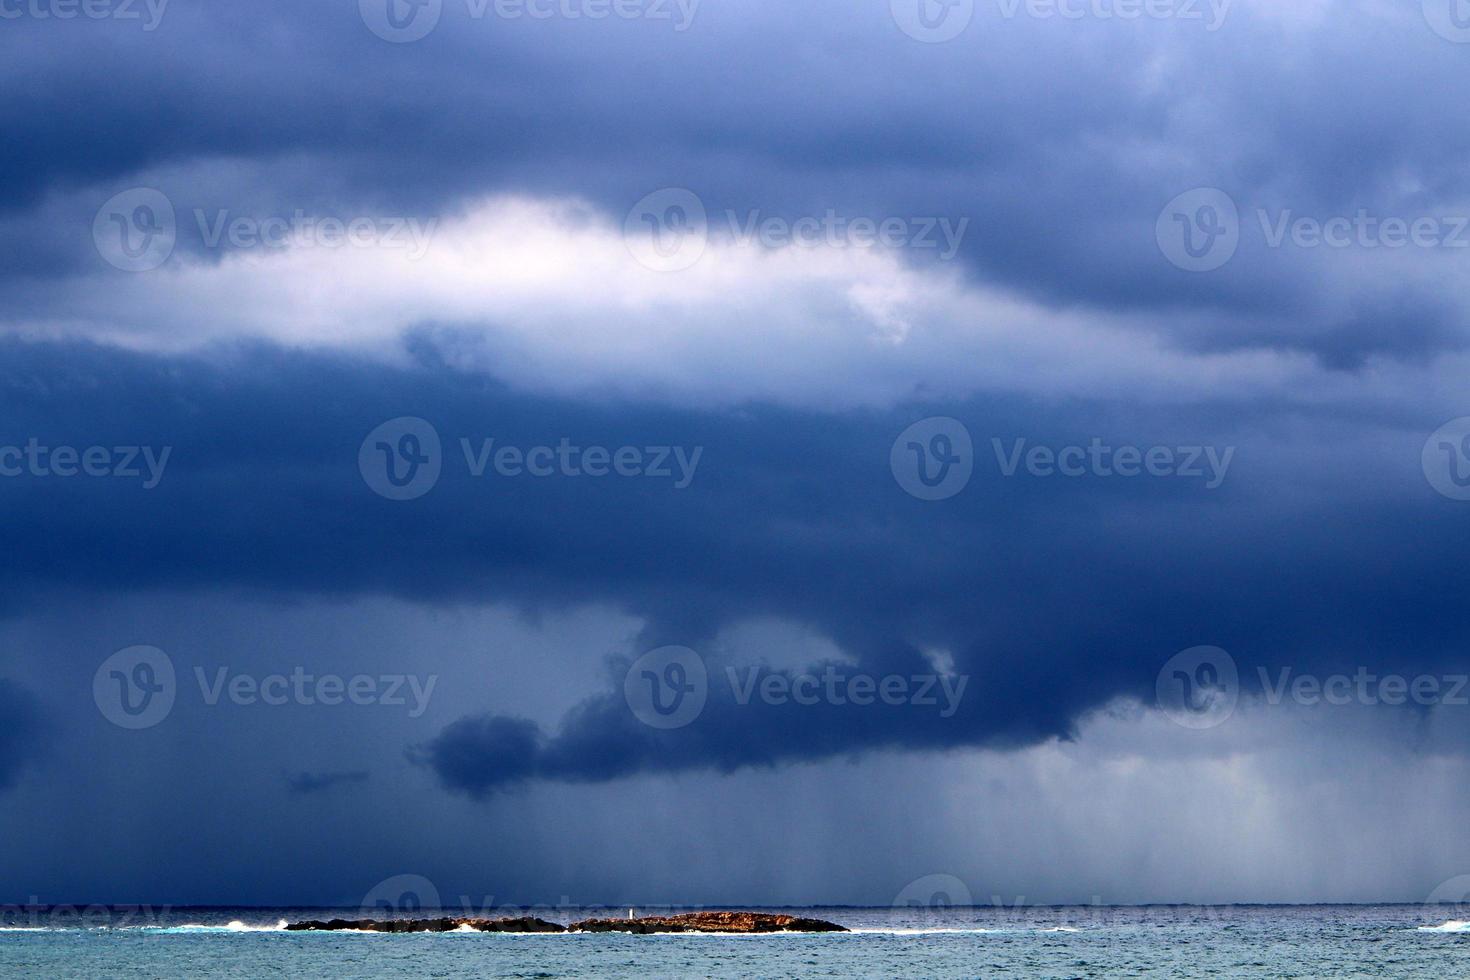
733 922
726 922
444 924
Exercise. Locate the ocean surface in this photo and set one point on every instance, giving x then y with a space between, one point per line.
1154 941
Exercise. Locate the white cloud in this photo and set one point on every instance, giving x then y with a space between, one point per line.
545 294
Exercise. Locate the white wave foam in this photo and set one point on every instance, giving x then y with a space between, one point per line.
235 926
976 931
1453 925
924 931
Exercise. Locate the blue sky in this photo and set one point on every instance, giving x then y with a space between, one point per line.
625 394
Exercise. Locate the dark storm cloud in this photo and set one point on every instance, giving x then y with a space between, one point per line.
308 783
1323 548
1060 141
21 729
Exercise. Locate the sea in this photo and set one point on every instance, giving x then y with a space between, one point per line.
1310 941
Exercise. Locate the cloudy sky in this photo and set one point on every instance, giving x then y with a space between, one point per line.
639 451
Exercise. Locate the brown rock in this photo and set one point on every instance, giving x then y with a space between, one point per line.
732 922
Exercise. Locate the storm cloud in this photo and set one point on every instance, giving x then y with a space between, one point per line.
305 783
828 540
21 731
1061 174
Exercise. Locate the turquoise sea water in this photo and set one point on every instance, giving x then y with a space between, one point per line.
1230 941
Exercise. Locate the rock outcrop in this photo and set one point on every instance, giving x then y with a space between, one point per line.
733 922
521 924
730 922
